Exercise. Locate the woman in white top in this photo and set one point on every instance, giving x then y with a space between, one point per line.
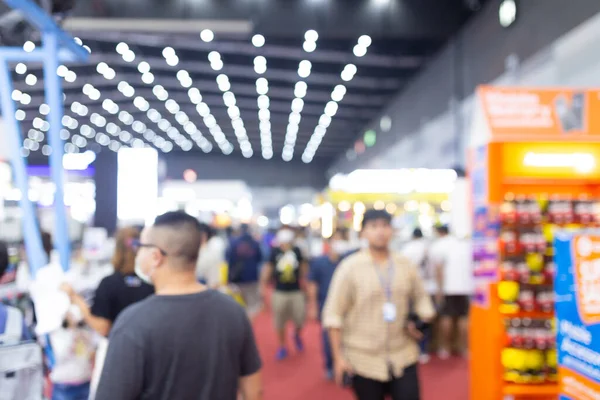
211 257
416 251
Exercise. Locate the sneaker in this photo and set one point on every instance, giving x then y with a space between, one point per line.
443 354
299 343
281 354
424 358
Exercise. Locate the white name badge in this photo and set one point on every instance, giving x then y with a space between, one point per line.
389 312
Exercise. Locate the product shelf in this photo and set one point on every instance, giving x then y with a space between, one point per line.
530 390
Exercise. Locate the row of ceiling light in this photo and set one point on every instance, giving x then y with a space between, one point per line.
78 141
183 76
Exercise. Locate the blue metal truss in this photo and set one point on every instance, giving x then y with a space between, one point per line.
57 47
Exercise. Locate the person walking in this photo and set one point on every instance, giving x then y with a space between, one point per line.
320 275
187 341
373 340
451 258
244 258
416 251
211 258
288 267
115 293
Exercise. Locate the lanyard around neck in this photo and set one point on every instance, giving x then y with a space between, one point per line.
386 281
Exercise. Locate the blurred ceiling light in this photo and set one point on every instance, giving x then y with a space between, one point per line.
331 108
102 67
22 68
70 77
173 61
338 93
31 79
207 35
309 47
300 89
148 78
304 68
122 48
129 56
359 51
168 52
507 13
348 72
263 101
297 105
311 36
217 65
143 67
258 40
214 56
62 71
385 123
29 46
364 41
44 109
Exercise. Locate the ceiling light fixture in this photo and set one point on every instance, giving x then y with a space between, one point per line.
258 40
21 69
207 35
304 68
348 72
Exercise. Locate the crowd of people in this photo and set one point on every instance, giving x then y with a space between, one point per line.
174 319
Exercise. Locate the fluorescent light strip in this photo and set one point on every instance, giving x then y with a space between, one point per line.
300 89
143 105
262 90
237 123
331 108
202 108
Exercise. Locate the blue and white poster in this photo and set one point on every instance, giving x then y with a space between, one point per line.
577 291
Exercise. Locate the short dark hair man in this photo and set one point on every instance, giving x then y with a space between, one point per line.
367 314
186 342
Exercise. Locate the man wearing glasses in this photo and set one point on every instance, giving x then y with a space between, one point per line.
186 342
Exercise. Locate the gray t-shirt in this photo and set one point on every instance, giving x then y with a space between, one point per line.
189 347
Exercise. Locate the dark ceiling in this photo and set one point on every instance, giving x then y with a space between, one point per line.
404 35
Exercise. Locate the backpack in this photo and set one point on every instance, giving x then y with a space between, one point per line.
21 363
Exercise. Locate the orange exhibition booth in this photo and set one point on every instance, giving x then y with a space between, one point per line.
534 167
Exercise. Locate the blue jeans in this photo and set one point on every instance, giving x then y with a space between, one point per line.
424 344
71 392
327 350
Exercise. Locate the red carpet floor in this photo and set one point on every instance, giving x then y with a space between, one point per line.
301 376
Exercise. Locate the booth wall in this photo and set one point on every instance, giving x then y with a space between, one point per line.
430 119
255 171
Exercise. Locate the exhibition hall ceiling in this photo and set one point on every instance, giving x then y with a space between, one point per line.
291 80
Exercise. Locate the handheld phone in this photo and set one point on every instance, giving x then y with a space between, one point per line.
347 380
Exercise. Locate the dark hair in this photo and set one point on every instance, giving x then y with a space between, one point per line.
47 244
123 260
206 229
186 241
245 228
176 218
442 229
417 233
338 232
4 259
374 215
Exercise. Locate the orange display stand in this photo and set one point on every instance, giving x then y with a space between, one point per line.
526 143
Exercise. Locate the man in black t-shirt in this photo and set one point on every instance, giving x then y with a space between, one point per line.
187 342
288 268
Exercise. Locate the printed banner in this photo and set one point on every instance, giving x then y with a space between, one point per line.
577 290
539 114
